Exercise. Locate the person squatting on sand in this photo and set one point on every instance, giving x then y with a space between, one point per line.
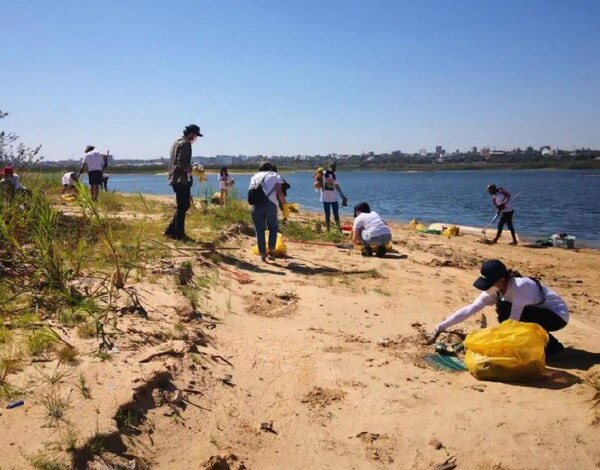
516 298
501 200
69 180
180 179
329 191
95 163
370 230
225 183
264 195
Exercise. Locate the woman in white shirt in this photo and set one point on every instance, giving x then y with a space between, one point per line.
370 230
517 298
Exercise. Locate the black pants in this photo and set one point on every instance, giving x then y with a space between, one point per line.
506 218
176 228
547 319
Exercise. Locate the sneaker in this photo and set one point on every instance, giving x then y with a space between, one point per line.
381 251
367 251
514 242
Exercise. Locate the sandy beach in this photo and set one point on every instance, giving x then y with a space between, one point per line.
315 361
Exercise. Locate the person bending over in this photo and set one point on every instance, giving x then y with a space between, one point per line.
517 298
69 180
501 201
370 230
264 212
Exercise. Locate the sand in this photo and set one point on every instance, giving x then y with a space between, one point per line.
315 361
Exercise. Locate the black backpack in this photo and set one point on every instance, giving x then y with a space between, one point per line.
257 195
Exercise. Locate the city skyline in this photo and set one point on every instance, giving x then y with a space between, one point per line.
300 78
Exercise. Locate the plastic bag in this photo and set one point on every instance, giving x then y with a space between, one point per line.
512 352
415 225
280 247
451 231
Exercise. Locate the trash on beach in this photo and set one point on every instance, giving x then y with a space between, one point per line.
563 240
512 351
416 225
15 404
280 248
452 231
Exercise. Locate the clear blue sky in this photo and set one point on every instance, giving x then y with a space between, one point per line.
300 77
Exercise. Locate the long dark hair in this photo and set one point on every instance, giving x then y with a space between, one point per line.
223 170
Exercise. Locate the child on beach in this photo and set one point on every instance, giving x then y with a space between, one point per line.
370 230
225 183
517 298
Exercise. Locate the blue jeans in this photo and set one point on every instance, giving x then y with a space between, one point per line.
327 206
265 215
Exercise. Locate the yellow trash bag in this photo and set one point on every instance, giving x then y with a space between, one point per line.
510 352
451 231
280 248
68 197
415 225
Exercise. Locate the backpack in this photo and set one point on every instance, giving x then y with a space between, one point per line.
257 195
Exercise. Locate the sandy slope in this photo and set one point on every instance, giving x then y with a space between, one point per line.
300 342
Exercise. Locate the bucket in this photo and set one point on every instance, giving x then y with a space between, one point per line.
570 241
563 241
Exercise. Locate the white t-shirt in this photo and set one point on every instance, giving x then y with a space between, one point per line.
372 225
500 198
328 191
270 180
68 179
521 292
94 161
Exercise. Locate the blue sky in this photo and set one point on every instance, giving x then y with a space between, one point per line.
300 77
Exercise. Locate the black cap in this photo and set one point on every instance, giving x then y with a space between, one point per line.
192 129
491 272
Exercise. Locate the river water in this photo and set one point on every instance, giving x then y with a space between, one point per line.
550 201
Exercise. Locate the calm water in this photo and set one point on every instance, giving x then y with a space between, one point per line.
551 200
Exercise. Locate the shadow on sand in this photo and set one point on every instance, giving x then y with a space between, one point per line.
246 266
552 379
573 358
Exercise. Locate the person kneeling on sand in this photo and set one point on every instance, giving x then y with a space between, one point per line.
516 298
370 230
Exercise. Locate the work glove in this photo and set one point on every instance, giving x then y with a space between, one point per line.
344 201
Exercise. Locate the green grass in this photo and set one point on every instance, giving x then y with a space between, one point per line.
43 461
311 231
40 341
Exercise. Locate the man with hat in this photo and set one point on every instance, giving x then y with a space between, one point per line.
180 179
95 163
516 298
